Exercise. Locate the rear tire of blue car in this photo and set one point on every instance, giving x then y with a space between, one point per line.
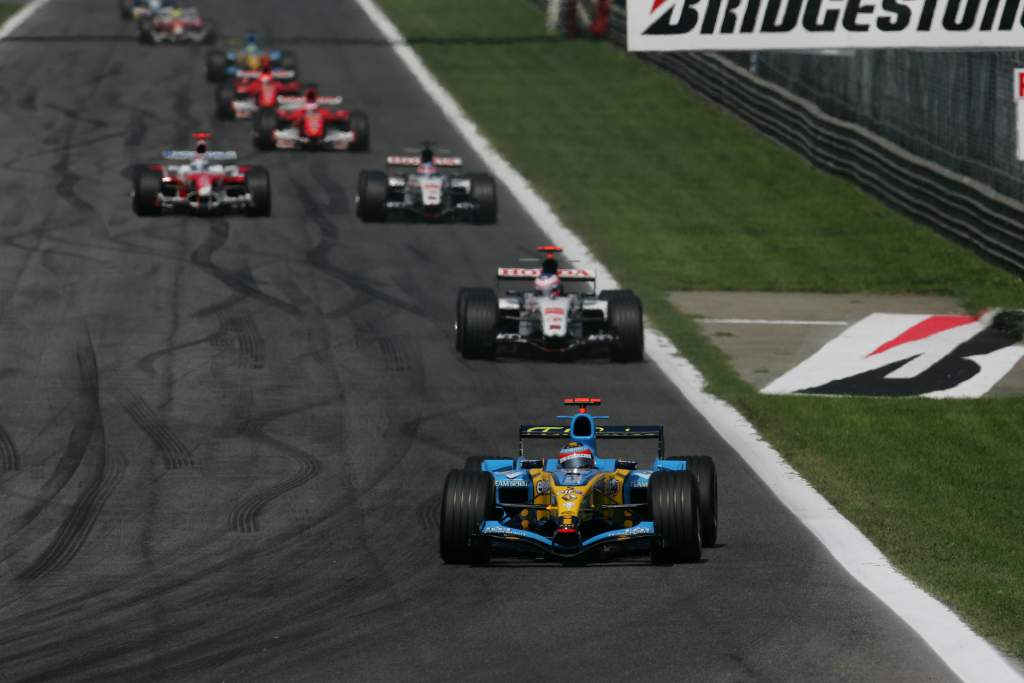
216 66
474 463
289 61
703 468
479 325
468 499
675 510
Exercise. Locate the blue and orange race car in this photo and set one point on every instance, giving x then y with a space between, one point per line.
222 65
580 506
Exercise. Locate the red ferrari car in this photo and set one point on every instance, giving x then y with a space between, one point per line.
312 122
253 91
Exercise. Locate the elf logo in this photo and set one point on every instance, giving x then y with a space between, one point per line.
939 356
814 24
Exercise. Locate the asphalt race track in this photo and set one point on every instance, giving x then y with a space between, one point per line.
222 442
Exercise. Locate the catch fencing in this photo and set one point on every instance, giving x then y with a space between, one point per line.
931 133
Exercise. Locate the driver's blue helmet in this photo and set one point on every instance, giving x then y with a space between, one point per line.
575 456
250 40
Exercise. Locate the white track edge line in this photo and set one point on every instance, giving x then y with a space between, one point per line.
761 321
20 17
969 656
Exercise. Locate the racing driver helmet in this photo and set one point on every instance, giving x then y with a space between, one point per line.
575 456
312 95
548 284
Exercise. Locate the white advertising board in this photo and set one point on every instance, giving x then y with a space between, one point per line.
670 25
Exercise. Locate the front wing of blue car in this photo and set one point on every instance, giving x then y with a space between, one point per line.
512 538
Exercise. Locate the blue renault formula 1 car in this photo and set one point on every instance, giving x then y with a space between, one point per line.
580 506
221 65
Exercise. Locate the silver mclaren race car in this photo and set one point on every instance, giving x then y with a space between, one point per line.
558 313
426 187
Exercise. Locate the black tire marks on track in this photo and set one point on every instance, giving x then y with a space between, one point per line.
244 518
9 459
174 454
239 334
87 436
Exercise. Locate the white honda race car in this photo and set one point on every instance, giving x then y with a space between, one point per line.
547 317
426 187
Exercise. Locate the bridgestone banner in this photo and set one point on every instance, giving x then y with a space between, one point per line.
668 25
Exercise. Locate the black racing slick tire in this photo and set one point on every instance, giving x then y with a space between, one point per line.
264 129
216 66
675 511
257 182
484 192
460 313
460 304
225 100
289 61
479 325
146 32
127 8
359 124
467 500
706 474
147 184
626 324
372 200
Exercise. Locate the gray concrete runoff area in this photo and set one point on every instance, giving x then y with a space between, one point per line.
766 334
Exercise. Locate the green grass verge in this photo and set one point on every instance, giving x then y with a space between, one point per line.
6 10
673 194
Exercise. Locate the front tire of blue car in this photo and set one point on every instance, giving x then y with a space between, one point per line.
467 500
675 510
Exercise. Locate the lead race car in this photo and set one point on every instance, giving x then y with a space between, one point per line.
174 25
312 122
549 318
436 190
201 181
578 505
221 64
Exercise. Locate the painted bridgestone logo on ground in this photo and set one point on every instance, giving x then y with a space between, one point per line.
885 354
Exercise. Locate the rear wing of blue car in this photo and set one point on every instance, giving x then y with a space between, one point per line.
564 433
